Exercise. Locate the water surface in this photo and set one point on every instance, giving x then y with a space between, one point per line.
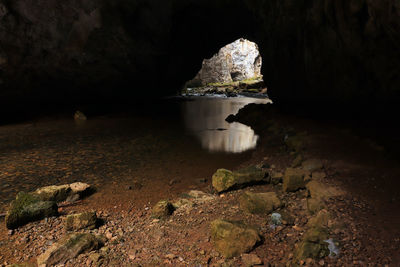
204 117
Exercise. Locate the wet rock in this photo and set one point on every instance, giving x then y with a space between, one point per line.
233 238
56 193
28 208
294 179
251 260
312 165
162 209
85 220
259 203
223 180
68 248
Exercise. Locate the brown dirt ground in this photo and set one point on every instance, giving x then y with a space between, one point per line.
369 211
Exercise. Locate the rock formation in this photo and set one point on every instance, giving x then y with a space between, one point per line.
236 61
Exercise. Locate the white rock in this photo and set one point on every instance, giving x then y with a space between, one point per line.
236 61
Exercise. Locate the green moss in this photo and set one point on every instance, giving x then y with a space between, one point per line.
28 207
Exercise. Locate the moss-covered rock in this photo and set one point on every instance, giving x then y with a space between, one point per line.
68 248
162 209
233 238
294 179
313 245
223 180
56 193
27 208
259 203
85 220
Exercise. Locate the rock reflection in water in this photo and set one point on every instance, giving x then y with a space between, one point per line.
205 118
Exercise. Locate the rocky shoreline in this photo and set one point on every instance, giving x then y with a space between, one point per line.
284 207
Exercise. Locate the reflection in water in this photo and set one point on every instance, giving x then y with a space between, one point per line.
205 118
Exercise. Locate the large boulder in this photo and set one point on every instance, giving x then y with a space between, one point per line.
28 208
64 192
236 61
223 180
56 193
294 179
68 248
259 203
233 238
85 220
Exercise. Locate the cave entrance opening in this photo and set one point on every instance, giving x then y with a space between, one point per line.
234 70
228 81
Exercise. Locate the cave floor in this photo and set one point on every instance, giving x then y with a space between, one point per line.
134 163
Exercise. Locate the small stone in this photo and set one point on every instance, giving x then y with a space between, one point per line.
162 209
170 256
251 260
85 220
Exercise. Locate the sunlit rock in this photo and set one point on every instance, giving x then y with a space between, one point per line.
236 61
56 193
66 192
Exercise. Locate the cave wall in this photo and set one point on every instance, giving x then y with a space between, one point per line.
91 50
